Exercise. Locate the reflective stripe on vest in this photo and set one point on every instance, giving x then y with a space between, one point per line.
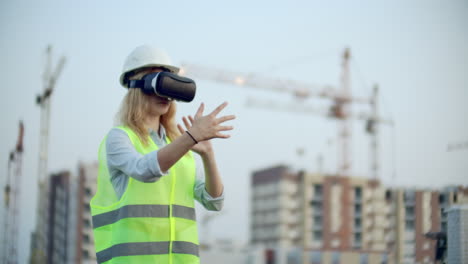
146 248
142 210
152 222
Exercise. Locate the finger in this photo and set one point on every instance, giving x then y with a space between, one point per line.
186 123
219 109
199 112
191 119
181 129
225 118
220 135
224 128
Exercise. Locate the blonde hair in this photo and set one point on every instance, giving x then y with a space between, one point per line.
134 110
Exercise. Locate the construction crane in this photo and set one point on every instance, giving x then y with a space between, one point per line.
43 101
12 192
340 108
457 146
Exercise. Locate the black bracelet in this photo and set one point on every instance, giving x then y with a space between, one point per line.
196 142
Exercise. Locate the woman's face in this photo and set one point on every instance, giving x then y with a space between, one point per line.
157 105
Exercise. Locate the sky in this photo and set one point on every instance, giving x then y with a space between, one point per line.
415 51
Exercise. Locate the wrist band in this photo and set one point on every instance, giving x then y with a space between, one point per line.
196 142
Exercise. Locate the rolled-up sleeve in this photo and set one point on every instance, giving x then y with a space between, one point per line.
203 197
123 156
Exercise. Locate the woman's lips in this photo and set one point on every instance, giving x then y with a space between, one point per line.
163 102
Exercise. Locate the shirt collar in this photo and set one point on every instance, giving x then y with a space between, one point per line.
162 131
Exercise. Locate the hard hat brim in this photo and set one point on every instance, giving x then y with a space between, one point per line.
171 68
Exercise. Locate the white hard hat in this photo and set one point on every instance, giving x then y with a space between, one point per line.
145 56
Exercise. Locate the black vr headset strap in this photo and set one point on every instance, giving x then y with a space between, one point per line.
136 84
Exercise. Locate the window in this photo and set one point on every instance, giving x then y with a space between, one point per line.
317 220
357 208
444 227
270 256
409 196
409 211
384 258
442 198
315 257
318 190
364 259
317 208
317 235
358 193
357 223
294 257
336 258
85 254
409 225
357 237
86 207
86 223
86 238
388 195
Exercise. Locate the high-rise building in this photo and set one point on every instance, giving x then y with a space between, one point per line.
57 236
457 234
334 219
85 251
331 219
345 219
82 189
69 232
413 213
275 212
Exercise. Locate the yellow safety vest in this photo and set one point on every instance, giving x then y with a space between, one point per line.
151 222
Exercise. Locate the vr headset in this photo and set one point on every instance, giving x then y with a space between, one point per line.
166 84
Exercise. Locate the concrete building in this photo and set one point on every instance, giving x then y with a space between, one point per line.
58 217
457 234
275 208
335 219
69 232
345 219
413 213
86 187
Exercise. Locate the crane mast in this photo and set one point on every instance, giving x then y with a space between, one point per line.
12 193
39 254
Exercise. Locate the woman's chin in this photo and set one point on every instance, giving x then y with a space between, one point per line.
160 109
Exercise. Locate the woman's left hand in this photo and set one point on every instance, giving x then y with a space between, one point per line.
202 147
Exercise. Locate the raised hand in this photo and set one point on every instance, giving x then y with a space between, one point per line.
209 126
204 128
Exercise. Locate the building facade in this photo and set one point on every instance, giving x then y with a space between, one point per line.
59 195
69 237
87 188
457 235
275 208
331 219
335 219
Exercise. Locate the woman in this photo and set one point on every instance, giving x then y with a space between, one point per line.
143 210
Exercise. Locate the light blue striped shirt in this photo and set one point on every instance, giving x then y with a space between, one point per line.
124 160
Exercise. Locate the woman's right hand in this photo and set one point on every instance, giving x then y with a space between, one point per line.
209 126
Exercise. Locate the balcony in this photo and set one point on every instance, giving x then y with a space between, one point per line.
357 215
317 229
357 200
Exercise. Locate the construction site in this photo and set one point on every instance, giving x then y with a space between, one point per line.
324 165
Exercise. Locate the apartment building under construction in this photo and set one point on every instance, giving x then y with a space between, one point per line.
346 219
69 227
